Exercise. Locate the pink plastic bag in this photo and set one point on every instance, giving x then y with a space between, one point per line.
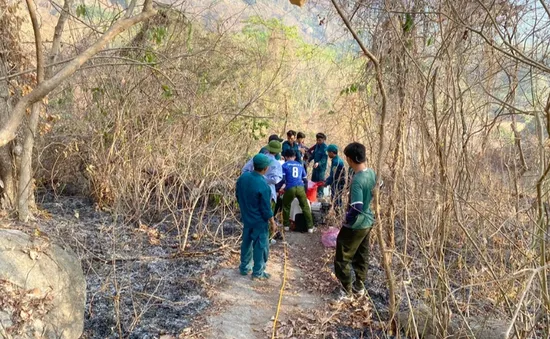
329 237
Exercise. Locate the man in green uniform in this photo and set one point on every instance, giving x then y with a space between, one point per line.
319 158
337 177
265 150
254 198
352 243
292 143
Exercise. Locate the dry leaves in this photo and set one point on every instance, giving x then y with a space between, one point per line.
23 306
153 234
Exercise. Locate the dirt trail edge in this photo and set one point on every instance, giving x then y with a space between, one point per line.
246 308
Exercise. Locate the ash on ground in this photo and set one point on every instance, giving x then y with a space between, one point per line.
139 283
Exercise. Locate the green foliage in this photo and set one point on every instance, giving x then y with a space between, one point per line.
158 34
353 88
167 91
260 30
430 41
409 23
150 57
81 11
259 129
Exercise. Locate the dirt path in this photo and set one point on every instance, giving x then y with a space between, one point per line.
246 308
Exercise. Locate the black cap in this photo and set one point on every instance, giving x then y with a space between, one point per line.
275 137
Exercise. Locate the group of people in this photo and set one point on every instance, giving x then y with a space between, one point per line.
267 177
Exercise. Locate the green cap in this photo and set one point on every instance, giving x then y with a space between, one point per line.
261 161
332 148
274 147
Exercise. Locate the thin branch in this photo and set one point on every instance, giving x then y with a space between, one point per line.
58 32
7 133
545 8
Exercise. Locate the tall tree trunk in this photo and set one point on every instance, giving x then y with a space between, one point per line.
7 185
25 192
8 130
386 255
56 42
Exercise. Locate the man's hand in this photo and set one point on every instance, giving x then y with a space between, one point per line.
315 165
272 226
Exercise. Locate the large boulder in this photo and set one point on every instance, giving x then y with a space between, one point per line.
42 288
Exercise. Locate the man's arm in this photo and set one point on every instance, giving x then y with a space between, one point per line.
324 158
274 174
330 178
248 167
310 152
356 203
353 212
265 204
339 173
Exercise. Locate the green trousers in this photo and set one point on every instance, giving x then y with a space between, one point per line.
352 251
254 248
300 193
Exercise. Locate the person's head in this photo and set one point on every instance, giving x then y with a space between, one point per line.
356 154
274 137
274 147
300 137
261 163
289 154
332 151
321 138
291 136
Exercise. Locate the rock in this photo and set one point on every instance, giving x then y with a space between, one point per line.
481 329
423 319
42 288
478 328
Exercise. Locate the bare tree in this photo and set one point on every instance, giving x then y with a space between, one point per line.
44 86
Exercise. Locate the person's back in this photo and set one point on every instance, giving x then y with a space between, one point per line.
274 173
254 198
253 195
293 174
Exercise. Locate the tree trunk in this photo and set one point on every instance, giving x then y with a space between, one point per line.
9 129
7 185
25 192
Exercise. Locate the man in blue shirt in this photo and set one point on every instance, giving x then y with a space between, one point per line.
292 144
254 198
294 176
337 177
274 173
319 157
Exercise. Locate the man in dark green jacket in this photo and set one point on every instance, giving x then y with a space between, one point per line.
292 144
352 243
319 158
337 178
254 198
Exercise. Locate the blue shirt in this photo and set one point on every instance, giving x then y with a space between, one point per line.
337 175
293 174
295 147
273 175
